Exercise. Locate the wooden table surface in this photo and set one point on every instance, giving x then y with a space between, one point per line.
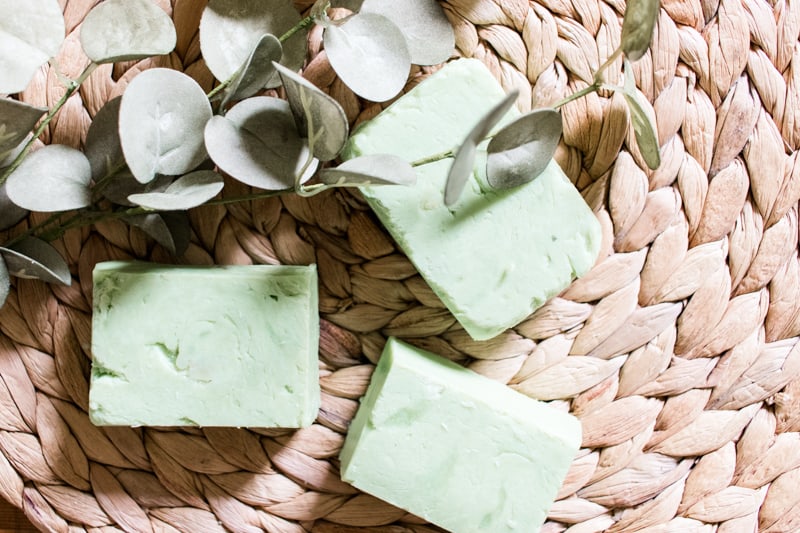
12 520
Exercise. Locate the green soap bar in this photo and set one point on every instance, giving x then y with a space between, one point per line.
207 346
493 257
456 448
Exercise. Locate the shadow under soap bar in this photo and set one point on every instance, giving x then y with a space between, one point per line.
495 256
208 346
456 448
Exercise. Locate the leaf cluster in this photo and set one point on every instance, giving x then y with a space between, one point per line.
163 146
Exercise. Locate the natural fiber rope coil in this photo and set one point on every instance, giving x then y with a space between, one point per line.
679 351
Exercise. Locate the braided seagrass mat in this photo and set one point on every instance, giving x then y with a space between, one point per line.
679 351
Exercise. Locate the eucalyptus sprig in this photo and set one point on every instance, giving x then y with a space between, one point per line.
161 148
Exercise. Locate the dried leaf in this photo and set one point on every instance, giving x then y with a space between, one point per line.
429 35
32 33
257 143
370 55
376 169
17 119
161 120
54 178
643 121
256 71
34 258
319 117
230 30
122 30
464 162
186 192
522 149
637 27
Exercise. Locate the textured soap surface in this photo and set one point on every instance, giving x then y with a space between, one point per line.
493 257
456 448
208 346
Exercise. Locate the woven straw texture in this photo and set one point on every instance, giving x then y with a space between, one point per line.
678 352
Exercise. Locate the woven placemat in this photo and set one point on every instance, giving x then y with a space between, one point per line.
678 351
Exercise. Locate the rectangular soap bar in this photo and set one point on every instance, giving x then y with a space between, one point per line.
458 449
493 257
207 346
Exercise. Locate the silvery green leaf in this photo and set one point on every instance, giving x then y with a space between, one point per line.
637 27
521 150
121 30
186 192
36 259
161 120
10 213
5 282
643 121
53 178
464 162
428 33
257 70
257 143
123 185
171 230
17 119
319 117
102 146
230 29
370 55
376 169
644 129
31 32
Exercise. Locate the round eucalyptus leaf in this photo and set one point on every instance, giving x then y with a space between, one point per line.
428 33
642 119
5 282
257 70
637 27
36 259
186 192
53 178
369 53
171 230
319 117
121 30
161 120
31 32
376 169
644 129
230 30
17 120
521 150
257 143
464 162
10 213
102 146
118 188
460 171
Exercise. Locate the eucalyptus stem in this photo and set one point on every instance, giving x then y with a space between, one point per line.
247 197
49 221
433 158
303 24
221 87
578 94
72 86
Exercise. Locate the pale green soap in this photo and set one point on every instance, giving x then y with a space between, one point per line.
207 346
458 449
493 257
